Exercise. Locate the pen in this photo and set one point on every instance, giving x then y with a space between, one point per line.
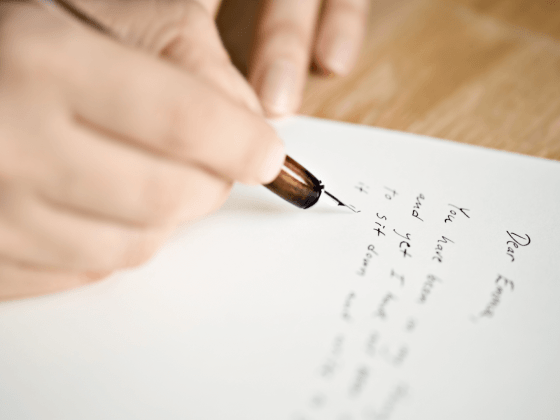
295 184
298 186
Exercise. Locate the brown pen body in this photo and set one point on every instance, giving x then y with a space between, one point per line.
296 185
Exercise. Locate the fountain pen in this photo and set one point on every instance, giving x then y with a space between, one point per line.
298 186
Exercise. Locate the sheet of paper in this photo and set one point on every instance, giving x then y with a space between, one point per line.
439 300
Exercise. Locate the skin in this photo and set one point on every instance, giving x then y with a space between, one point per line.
108 142
292 33
289 35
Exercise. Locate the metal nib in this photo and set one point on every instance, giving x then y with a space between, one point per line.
340 203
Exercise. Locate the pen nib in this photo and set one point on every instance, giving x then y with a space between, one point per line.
340 203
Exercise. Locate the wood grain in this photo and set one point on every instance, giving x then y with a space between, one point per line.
484 72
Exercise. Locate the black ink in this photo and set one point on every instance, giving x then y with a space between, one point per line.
407 237
410 325
318 400
506 282
417 206
340 203
394 358
502 284
526 239
347 306
516 241
381 217
400 356
404 245
379 229
329 368
439 247
389 196
401 278
453 213
405 251
360 380
381 309
362 187
371 344
427 287
365 262
388 407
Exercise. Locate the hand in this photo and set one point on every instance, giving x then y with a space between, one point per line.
104 149
182 31
289 33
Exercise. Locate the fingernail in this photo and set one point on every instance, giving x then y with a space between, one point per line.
273 163
339 55
278 87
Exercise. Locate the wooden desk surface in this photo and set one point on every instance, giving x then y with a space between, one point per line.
484 72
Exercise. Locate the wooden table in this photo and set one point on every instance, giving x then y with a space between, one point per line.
484 72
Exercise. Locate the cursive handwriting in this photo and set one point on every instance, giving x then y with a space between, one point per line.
515 242
417 206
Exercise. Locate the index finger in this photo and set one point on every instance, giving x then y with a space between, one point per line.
148 102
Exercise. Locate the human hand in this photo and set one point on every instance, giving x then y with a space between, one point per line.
290 33
182 31
104 149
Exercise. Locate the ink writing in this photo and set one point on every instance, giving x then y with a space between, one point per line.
427 287
439 248
417 205
366 260
405 244
515 242
502 285
453 212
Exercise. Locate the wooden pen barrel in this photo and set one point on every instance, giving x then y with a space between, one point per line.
296 185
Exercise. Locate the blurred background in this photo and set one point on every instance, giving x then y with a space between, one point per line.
484 72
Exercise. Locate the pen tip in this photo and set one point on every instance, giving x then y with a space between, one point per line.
340 203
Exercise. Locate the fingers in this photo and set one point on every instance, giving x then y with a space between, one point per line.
182 31
196 47
102 147
97 175
22 280
37 233
341 33
154 105
281 55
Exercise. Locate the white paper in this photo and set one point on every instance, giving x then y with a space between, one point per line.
264 311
